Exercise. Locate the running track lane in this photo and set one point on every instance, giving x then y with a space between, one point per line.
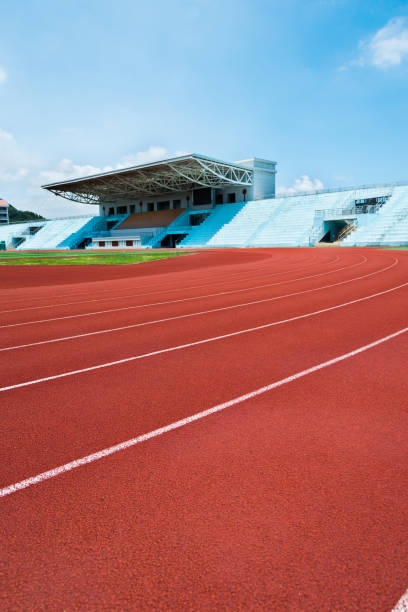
118 302
166 529
40 361
160 284
267 295
113 400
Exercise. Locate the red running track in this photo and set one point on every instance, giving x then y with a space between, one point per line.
292 499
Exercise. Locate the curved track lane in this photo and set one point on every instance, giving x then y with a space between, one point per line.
291 500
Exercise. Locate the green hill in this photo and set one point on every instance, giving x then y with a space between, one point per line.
22 215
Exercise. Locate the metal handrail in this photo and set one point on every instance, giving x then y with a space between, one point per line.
108 217
354 210
346 231
352 188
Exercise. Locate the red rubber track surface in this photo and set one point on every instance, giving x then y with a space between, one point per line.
293 500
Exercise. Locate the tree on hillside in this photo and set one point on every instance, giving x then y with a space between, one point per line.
22 215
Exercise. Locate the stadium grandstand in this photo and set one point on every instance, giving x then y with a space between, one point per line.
196 201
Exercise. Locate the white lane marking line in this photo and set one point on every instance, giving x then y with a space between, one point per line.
189 299
134 295
402 605
67 467
188 345
196 314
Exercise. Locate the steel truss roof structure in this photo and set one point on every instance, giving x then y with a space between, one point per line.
168 176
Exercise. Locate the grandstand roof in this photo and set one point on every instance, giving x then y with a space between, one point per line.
166 176
3 203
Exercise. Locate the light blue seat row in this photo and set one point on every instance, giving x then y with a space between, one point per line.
387 227
221 215
66 233
12 234
296 221
55 233
243 226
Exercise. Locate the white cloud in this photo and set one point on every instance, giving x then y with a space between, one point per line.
67 169
21 177
14 162
3 75
387 47
302 184
153 153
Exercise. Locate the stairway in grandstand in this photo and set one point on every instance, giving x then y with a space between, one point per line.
221 215
242 227
387 227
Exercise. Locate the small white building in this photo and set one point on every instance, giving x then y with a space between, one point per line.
4 218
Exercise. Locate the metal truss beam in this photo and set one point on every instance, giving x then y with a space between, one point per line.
183 174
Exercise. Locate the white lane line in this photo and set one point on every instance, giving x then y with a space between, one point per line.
190 344
200 313
67 467
402 605
189 299
135 295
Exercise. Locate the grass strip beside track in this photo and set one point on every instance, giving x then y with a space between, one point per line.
40 254
84 259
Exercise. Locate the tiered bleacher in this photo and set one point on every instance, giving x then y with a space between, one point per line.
372 216
218 218
145 229
67 233
245 225
303 220
54 233
389 226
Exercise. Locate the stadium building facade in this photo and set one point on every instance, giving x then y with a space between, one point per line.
189 180
196 201
4 219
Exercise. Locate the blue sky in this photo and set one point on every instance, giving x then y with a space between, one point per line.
320 86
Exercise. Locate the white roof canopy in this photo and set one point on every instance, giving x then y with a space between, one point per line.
168 176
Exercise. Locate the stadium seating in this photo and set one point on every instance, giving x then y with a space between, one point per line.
299 220
160 218
16 232
388 227
66 233
55 233
244 225
221 215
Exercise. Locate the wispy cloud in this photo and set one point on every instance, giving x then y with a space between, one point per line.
23 175
14 162
3 75
302 184
66 168
387 48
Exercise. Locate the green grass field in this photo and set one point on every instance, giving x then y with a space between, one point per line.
53 258
397 248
